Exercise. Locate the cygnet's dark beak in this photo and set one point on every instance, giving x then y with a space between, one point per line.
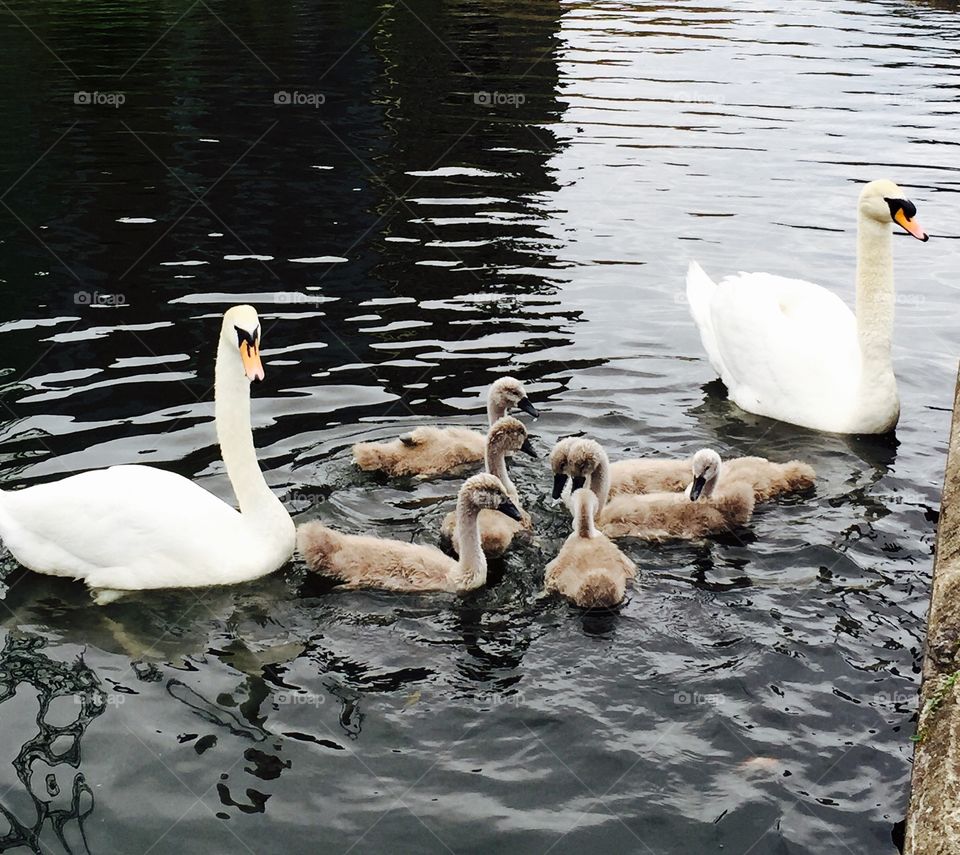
578 482
527 447
511 510
559 482
528 408
696 488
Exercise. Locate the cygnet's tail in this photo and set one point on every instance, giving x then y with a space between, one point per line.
798 476
317 544
700 291
369 456
598 590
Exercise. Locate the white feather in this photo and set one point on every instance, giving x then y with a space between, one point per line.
784 348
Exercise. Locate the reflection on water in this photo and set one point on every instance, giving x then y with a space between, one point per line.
514 188
50 797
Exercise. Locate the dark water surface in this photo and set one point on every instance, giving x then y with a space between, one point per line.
406 245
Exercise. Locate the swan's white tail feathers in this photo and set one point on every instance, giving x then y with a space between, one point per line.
700 292
105 596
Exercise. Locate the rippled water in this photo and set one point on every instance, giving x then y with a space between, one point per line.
487 188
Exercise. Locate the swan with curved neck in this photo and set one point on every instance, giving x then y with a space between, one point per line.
135 527
394 565
429 451
506 435
497 531
793 351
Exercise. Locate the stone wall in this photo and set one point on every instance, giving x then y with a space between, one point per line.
933 818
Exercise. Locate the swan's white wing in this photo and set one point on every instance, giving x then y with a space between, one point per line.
787 348
129 527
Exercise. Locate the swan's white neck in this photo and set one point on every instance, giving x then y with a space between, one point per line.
232 395
496 461
583 522
473 563
875 296
875 303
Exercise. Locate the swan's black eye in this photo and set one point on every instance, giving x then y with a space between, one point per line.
905 205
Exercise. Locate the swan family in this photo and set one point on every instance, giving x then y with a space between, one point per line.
784 348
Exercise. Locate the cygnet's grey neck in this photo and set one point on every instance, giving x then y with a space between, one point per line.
496 407
600 481
472 564
496 461
583 521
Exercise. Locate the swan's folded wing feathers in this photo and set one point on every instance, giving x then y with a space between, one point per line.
165 529
786 345
649 475
398 566
424 452
360 561
768 479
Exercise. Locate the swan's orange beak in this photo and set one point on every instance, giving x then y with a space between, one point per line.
250 354
910 225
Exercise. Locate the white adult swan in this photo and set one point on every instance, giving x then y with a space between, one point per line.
794 351
135 527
